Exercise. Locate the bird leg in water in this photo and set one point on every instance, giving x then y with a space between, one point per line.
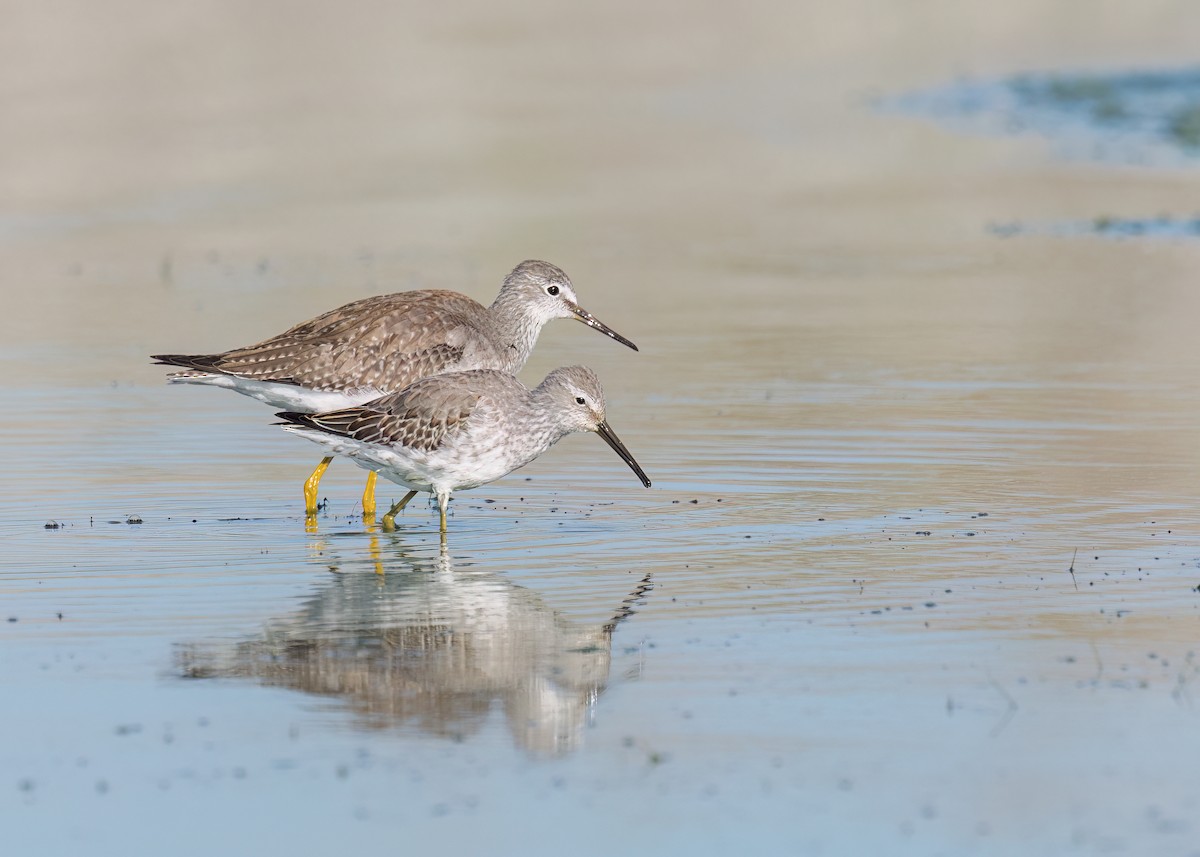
389 520
312 483
369 496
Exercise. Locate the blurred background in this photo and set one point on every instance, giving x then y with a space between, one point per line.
157 156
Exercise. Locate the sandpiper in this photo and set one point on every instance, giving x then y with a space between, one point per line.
462 430
382 344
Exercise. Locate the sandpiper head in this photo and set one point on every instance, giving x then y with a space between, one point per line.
578 401
546 292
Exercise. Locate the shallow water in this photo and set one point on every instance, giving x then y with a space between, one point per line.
918 573
1144 117
1141 119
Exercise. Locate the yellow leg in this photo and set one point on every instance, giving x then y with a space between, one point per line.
369 496
443 501
373 550
312 483
389 520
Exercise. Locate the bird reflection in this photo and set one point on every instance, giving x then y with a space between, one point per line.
420 644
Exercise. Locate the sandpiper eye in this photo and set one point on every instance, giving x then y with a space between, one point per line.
580 400
552 290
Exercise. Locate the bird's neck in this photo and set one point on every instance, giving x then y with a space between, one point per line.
516 329
531 429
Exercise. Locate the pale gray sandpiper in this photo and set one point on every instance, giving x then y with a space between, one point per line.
462 430
382 344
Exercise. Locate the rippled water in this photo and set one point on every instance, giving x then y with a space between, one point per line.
919 570
837 586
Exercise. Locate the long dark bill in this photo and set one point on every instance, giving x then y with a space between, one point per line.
595 323
612 440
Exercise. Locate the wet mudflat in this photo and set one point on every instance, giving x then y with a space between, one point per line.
918 573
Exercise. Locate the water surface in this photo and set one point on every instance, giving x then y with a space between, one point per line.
918 573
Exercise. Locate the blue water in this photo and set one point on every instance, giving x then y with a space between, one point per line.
1148 118
791 663
918 571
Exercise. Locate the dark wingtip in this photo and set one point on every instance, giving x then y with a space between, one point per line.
293 418
203 362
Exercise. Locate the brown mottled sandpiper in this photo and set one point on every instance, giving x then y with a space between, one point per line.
382 344
462 430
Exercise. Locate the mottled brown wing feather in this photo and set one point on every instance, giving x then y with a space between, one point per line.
420 417
386 342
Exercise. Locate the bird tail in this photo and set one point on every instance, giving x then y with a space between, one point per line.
343 422
295 418
200 362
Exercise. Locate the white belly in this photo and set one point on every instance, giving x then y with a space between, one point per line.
287 397
446 469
